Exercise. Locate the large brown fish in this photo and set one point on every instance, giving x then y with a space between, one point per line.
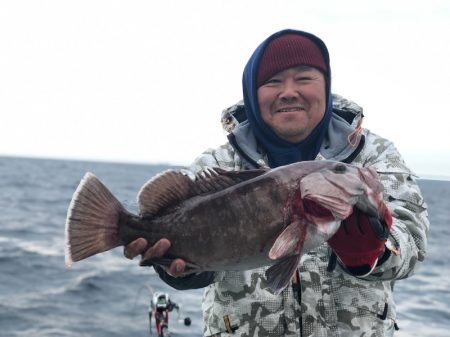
226 220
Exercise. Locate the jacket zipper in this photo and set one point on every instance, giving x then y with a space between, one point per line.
297 288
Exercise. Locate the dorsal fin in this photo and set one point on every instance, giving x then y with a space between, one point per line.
171 187
165 189
215 179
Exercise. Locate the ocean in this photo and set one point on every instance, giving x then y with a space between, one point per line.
108 295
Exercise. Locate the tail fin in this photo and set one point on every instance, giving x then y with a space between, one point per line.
92 220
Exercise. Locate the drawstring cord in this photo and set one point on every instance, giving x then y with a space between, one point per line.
355 134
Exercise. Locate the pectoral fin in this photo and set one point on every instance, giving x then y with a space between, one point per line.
289 242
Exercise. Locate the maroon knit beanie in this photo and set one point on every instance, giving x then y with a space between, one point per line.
287 51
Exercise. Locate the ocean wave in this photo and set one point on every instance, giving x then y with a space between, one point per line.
417 328
42 248
49 332
87 282
111 261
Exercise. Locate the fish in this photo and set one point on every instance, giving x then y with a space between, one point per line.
220 220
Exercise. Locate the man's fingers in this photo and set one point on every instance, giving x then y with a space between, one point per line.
158 249
135 248
138 246
176 268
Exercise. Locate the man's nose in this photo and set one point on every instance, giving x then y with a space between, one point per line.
289 89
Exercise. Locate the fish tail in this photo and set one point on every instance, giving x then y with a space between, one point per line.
92 220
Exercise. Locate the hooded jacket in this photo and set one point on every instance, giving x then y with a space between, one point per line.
326 300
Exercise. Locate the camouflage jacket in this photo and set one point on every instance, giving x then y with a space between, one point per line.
327 300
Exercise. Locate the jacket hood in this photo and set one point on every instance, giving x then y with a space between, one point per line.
279 151
346 116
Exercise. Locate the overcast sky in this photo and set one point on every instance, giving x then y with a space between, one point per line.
146 81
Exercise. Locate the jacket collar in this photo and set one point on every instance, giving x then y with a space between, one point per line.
344 120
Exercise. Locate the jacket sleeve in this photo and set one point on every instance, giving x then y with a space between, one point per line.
192 281
407 241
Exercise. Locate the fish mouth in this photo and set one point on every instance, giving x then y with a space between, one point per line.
342 190
339 209
336 195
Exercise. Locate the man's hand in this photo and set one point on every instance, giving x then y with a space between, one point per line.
360 240
139 247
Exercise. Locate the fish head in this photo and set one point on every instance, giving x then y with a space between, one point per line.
338 187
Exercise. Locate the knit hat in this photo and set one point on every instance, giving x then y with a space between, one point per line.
287 51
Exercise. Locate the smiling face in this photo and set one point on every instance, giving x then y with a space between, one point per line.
293 102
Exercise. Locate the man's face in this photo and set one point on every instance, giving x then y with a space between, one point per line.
293 102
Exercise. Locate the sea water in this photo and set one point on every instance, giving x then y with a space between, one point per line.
108 295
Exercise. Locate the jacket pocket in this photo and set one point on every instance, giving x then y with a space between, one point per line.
361 306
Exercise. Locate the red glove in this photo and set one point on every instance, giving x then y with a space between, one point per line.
360 240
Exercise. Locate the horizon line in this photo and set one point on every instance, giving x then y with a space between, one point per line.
419 176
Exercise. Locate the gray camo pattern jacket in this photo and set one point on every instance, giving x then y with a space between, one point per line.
329 301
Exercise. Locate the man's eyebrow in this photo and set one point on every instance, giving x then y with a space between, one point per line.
303 67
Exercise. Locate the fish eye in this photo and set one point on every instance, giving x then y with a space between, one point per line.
340 168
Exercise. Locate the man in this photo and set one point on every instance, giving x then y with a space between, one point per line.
344 287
